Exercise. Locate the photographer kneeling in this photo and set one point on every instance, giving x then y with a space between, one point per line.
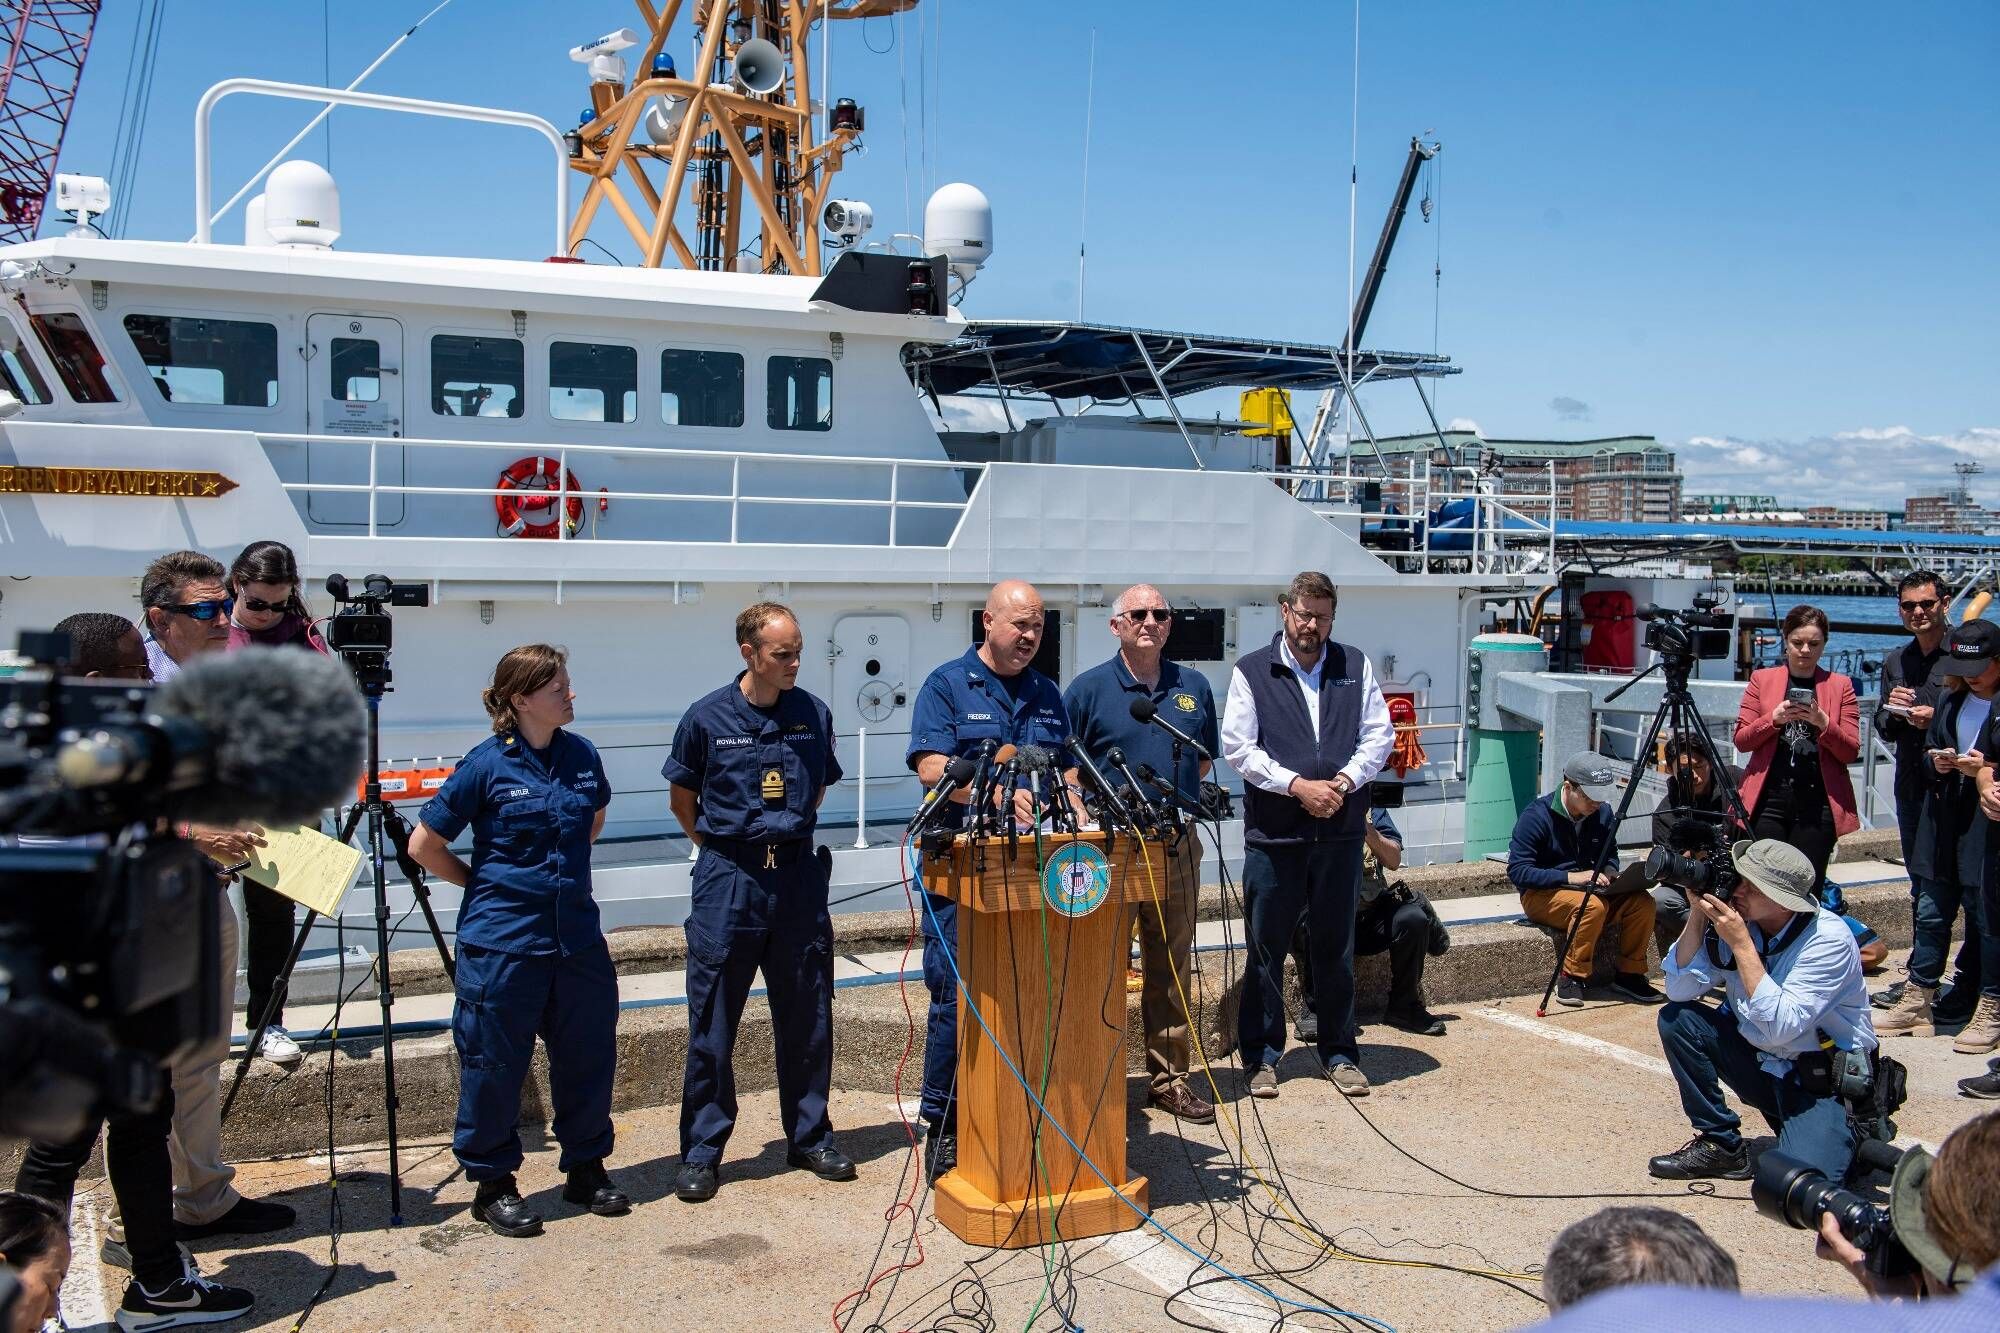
1793 976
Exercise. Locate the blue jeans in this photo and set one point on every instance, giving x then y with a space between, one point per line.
1319 882
1934 907
1706 1052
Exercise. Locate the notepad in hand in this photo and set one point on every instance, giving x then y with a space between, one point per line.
305 865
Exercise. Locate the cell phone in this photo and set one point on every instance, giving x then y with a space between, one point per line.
1798 696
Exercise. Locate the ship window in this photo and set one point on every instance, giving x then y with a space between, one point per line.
357 370
701 388
476 376
18 375
219 362
593 382
77 361
801 393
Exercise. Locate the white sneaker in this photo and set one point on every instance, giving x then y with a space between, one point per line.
280 1049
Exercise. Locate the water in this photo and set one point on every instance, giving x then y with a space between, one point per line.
1850 654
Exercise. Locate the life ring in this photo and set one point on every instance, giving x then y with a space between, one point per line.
537 473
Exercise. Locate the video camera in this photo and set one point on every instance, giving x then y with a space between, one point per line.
1699 633
362 631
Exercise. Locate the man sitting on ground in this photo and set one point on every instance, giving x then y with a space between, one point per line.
1550 861
1633 1247
1392 919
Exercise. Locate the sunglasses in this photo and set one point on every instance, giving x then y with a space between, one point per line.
1925 605
259 604
207 610
1160 615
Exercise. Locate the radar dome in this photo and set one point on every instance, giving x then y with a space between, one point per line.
958 224
302 206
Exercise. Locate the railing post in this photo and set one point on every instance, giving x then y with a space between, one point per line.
861 786
372 483
735 494
562 495
895 476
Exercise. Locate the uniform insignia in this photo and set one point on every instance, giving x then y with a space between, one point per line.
1185 702
774 784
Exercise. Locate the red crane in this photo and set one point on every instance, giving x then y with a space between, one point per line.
46 42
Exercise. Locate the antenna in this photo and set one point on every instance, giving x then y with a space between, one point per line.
1083 221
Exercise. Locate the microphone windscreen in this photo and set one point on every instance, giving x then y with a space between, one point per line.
1034 759
1003 755
1143 710
286 728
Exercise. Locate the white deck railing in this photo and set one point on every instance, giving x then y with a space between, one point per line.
1512 532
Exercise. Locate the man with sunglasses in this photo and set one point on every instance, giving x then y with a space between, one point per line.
1910 689
1307 727
1099 703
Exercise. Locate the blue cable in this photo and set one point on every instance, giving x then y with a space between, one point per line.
972 1007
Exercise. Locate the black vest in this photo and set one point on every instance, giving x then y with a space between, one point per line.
1284 730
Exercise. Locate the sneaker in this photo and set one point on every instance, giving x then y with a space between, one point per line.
113 1254
1348 1078
1910 1015
1986 1087
191 1299
1569 991
1981 1032
279 1048
1306 1027
1418 1020
1887 997
1264 1082
1180 1102
1633 986
940 1152
249 1217
1702 1159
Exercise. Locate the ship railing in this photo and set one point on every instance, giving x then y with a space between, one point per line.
1512 527
558 497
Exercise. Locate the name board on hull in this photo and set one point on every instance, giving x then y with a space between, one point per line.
153 482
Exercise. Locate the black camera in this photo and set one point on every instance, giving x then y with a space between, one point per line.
362 631
1695 858
1791 1192
1701 632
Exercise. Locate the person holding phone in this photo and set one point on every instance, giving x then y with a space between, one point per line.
1801 726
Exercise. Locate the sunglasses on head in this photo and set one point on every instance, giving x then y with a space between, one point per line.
259 604
1159 614
207 610
1924 605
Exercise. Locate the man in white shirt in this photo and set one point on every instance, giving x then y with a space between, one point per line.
1307 727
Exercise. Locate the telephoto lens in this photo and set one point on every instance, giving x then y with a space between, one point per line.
1787 1190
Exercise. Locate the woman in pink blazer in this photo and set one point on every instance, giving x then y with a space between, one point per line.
1796 786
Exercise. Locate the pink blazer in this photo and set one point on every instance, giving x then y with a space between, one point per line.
1839 744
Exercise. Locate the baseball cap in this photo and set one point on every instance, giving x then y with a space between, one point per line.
1969 649
1782 871
1593 775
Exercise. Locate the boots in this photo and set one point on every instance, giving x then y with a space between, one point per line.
1981 1032
1910 1015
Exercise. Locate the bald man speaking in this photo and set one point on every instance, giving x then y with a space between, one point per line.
989 695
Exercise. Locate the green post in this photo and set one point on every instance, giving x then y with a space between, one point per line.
1503 753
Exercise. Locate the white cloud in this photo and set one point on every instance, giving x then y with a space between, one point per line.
1465 423
1873 467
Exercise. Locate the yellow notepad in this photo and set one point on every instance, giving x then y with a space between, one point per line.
305 865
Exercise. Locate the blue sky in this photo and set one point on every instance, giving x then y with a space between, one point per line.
1764 233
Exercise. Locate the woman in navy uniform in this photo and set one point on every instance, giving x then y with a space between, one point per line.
749 766
531 957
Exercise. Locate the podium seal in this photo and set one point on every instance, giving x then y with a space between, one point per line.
1076 879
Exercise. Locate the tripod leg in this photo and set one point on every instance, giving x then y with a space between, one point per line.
1605 853
385 996
399 837
270 1007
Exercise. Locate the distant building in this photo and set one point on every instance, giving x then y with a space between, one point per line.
1853 520
1945 513
1625 479
1704 506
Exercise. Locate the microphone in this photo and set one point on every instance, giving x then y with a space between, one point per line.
956 774
1035 762
991 759
1116 758
1160 785
248 737
1089 771
1145 710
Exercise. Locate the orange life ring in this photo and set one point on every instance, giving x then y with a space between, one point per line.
514 506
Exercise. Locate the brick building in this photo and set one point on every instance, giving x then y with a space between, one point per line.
1853 520
1625 479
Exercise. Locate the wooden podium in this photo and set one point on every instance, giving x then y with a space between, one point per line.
1043 952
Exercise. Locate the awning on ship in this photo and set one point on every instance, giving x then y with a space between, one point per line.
1113 363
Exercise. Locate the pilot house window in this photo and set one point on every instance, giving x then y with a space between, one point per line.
476 376
801 393
593 382
212 362
18 375
699 388
74 352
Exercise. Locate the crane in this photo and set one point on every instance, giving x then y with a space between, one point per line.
46 43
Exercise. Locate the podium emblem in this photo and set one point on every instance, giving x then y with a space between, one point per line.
1076 879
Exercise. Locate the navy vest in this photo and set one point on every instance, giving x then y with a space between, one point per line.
1284 730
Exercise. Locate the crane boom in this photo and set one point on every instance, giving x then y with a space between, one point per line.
46 43
1378 265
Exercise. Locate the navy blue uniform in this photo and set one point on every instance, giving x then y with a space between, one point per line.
759 901
961 706
1099 703
531 958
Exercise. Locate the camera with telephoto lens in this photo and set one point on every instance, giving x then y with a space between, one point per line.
1787 1190
1695 858
362 631
1700 632
110 928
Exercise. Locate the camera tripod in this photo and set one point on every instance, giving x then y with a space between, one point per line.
387 831
1678 715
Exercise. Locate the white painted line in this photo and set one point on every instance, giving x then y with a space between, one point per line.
1547 1031
1170 1269
83 1291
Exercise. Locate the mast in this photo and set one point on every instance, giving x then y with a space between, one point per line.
734 134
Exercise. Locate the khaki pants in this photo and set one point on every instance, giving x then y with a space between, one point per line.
202 1189
1630 914
1165 956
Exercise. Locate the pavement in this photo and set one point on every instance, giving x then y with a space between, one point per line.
1504 1130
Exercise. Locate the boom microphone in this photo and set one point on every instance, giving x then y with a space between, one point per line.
1145 710
266 737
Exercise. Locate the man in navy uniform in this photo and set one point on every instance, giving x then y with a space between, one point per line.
1307 727
988 696
749 766
1099 703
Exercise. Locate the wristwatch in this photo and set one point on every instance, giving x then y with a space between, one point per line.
1341 781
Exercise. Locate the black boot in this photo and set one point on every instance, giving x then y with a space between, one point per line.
940 1152
589 1185
499 1205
